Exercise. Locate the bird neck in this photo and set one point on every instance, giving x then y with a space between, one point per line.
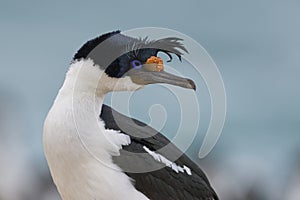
77 145
86 80
84 85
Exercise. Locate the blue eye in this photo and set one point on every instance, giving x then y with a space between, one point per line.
136 64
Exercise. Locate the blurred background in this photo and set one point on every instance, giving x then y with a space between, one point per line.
255 45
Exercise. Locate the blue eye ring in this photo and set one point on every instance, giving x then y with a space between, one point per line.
136 64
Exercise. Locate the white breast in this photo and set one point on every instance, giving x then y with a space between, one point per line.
79 149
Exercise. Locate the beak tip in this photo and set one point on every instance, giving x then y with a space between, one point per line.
192 84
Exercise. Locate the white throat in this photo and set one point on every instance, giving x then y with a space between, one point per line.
78 148
86 78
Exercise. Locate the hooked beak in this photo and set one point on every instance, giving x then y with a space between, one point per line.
153 72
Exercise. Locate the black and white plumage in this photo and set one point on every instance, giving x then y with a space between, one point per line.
113 157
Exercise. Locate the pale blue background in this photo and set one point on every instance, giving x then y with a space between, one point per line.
255 45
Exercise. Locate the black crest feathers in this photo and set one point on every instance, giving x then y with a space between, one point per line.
124 44
84 51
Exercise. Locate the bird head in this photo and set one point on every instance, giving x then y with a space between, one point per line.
132 63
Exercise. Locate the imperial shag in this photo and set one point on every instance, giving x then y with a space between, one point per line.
115 157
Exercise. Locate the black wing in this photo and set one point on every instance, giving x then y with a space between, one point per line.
163 183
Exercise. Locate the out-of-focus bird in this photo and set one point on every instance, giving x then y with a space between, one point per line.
114 156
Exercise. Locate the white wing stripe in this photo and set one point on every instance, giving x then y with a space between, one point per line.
167 162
